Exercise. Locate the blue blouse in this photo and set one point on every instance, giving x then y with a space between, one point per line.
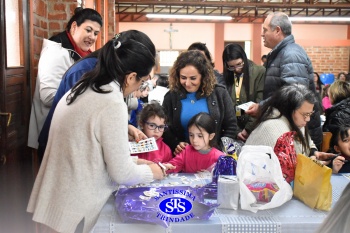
190 107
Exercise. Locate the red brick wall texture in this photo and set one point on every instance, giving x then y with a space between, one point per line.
329 59
49 18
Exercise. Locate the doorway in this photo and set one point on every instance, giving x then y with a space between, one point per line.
14 80
16 172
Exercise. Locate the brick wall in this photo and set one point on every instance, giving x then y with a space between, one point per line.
49 18
40 30
111 20
329 59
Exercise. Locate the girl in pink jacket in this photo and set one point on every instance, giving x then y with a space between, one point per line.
200 154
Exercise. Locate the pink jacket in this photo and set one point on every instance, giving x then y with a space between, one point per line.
326 103
163 154
191 161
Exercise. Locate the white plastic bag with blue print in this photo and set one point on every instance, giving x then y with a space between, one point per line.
261 182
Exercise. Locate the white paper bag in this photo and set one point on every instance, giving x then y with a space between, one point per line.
228 192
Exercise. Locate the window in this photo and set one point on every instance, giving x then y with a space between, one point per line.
167 59
13 34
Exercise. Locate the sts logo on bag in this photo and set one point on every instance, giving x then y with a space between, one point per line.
175 205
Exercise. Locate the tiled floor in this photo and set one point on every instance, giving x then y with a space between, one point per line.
16 182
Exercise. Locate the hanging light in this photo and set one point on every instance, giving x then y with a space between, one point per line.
320 19
175 16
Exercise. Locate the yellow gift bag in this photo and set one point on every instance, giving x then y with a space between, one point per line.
312 183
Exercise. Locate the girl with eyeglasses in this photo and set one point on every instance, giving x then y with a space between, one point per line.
200 154
152 121
244 81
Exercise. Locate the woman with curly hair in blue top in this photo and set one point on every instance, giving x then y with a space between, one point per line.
193 89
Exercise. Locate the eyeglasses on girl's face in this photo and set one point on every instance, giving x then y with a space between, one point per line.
234 67
153 126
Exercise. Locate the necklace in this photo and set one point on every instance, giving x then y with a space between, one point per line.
192 97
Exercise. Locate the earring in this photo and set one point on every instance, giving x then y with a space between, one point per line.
72 31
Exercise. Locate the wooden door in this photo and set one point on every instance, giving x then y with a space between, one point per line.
14 80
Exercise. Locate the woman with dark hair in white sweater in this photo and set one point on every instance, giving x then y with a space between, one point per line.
289 109
87 151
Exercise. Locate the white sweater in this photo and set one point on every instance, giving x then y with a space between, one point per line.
87 150
270 130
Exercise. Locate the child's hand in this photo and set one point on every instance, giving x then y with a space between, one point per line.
180 147
169 166
204 170
338 163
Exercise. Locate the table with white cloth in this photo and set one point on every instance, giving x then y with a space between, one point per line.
291 217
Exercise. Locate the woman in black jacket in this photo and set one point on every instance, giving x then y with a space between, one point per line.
193 89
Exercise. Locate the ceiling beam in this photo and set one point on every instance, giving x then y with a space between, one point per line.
240 10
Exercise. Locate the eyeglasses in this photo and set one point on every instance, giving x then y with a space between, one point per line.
306 115
153 126
233 68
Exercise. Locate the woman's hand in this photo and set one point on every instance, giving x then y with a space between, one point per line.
144 161
338 163
323 156
253 110
243 135
157 171
135 134
180 147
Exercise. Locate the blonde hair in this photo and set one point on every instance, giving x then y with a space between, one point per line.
339 90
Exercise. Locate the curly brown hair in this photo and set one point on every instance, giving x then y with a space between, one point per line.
201 63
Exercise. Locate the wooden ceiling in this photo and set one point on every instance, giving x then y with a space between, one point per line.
242 11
